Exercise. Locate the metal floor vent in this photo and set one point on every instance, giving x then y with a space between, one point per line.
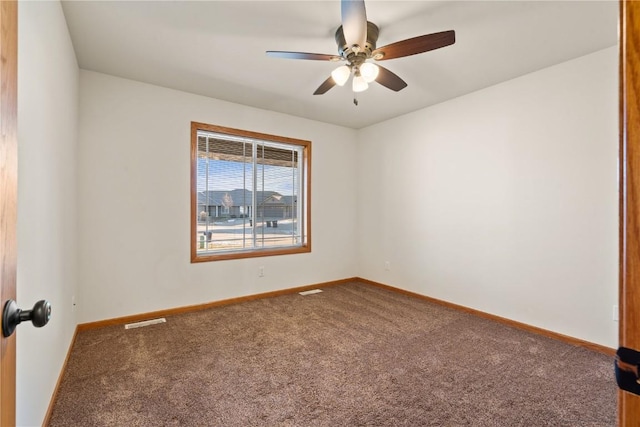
311 292
145 323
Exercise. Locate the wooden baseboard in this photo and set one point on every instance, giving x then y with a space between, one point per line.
54 396
188 309
198 307
550 334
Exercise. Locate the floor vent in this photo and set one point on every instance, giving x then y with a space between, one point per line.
144 323
311 292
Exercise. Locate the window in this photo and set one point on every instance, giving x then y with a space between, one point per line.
249 194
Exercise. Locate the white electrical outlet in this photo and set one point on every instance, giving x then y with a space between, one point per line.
615 313
387 265
261 272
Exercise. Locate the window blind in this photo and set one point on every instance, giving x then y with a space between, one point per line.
250 194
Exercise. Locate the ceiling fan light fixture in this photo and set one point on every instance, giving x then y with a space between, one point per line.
369 71
359 83
341 74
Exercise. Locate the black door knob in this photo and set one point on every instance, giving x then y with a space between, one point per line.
12 316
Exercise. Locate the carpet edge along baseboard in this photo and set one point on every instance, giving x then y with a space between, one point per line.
524 326
192 308
56 389
198 307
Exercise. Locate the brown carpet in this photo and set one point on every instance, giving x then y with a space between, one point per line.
354 355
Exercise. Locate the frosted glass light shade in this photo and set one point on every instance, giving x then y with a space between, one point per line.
369 71
341 74
359 84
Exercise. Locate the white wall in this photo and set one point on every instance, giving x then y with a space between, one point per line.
48 79
504 200
134 201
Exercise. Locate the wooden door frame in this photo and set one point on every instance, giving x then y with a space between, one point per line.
8 198
629 98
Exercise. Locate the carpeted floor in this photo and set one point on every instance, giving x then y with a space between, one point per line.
353 355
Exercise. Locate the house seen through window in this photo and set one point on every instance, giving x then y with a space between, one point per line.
249 194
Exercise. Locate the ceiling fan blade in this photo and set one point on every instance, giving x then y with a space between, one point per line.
354 22
416 45
390 80
302 55
325 86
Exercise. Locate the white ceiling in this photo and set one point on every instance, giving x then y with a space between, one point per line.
217 48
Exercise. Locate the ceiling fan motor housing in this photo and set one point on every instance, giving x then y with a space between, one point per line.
357 58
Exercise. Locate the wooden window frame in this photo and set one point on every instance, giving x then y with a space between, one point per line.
306 215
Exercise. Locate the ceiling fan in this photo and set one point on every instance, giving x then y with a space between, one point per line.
356 39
